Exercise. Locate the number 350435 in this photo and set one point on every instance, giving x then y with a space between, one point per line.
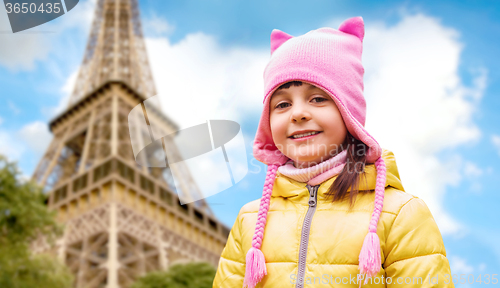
470 279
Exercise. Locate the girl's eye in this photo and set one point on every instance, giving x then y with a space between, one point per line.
280 105
320 99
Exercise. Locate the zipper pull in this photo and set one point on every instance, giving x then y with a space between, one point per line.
312 197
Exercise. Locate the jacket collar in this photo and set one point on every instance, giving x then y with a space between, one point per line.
288 187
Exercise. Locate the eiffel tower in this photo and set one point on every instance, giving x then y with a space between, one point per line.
121 219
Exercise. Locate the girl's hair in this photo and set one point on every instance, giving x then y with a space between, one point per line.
349 176
354 167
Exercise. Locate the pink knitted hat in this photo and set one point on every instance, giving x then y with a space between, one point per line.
331 60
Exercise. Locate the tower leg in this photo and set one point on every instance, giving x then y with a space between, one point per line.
113 249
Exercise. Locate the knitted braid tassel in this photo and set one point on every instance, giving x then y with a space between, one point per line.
369 257
255 261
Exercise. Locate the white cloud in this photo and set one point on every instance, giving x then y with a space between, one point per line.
79 17
65 92
155 26
36 135
495 139
10 146
459 266
30 141
418 107
471 170
473 173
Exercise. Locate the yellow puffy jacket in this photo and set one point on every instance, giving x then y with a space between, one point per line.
412 249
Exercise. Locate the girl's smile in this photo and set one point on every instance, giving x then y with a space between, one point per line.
302 136
306 125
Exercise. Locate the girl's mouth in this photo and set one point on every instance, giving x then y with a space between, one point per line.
305 138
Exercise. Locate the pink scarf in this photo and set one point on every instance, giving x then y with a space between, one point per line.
316 174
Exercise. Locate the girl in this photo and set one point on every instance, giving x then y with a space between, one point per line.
333 211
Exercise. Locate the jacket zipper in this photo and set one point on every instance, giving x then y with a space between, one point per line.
304 239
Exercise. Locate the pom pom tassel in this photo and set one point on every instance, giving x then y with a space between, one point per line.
255 268
369 258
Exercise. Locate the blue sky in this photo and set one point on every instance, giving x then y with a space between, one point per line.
431 69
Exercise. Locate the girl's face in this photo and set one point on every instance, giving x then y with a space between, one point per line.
302 109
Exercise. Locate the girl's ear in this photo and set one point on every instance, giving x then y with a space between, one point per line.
354 26
278 37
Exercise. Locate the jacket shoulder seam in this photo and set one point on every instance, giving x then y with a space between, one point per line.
430 254
401 208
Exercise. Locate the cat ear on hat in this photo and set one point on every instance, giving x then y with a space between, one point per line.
278 37
354 26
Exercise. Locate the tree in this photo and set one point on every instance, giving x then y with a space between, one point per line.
190 275
24 217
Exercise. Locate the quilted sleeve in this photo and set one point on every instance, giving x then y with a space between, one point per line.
414 250
231 268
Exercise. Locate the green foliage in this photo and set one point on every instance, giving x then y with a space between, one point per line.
24 217
190 275
19 269
23 214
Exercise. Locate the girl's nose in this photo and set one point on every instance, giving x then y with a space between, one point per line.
300 113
